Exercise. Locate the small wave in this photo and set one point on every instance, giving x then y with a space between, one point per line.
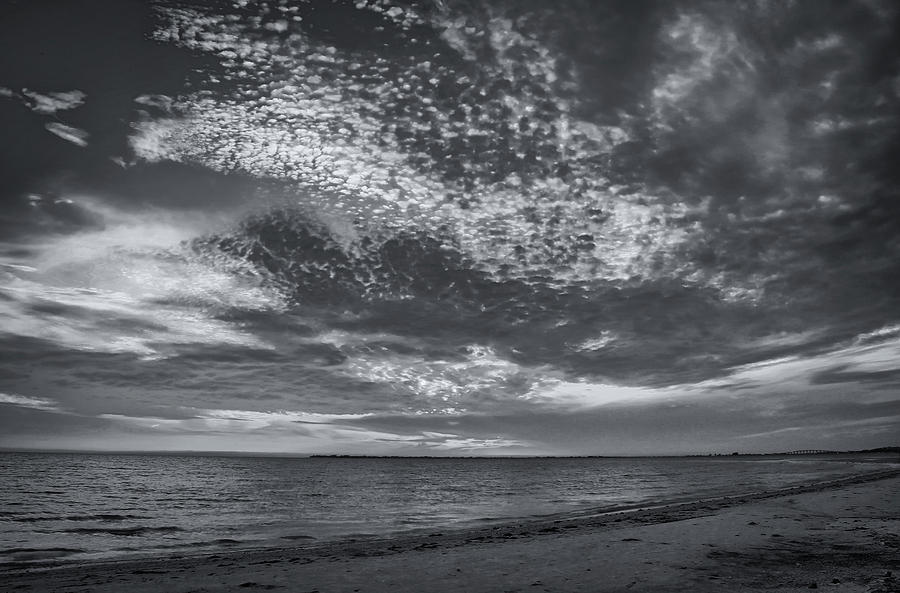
8 551
110 517
127 531
222 541
225 541
101 517
416 520
26 554
216 499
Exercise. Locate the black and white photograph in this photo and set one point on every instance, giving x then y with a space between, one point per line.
449 296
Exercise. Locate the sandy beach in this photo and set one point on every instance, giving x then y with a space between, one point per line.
842 536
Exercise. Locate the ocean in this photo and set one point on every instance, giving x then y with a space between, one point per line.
77 507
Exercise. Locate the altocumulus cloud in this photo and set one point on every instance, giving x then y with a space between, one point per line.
367 227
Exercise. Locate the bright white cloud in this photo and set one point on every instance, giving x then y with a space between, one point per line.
569 395
279 416
591 344
323 126
796 372
29 402
442 382
69 133
132 286
50 103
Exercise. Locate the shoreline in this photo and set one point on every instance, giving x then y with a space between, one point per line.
494 539
190 537
481 528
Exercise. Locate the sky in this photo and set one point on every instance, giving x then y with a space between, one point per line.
450 228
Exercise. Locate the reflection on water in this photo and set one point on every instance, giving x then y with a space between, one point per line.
74 506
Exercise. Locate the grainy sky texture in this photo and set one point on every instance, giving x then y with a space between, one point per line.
450 228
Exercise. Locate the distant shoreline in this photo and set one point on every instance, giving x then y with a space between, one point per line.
188 453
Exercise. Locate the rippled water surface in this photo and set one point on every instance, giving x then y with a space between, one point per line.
81 506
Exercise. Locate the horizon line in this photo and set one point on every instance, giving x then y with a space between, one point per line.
295 455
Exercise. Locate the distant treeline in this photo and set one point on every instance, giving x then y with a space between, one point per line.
798 452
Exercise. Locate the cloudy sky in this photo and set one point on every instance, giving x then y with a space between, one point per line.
450 228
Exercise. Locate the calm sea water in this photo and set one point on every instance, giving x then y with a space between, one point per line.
71 506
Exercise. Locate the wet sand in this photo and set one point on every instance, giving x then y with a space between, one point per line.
841 536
